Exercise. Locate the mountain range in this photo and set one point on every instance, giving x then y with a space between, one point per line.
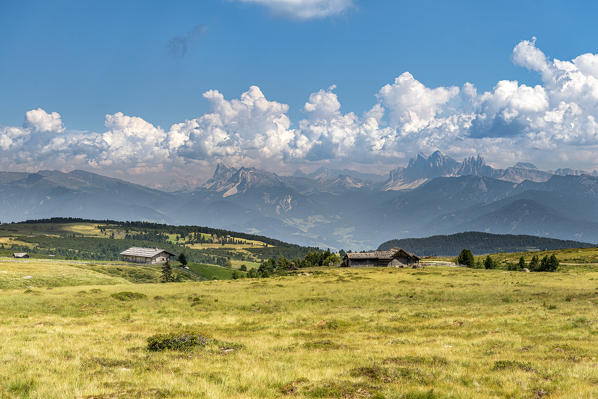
328 207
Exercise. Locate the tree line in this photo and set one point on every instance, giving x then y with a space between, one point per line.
546 264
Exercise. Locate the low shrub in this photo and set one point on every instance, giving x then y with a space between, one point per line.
512 365
176 341
324 344
128 296
422 395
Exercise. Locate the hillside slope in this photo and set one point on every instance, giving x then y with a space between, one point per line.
479 243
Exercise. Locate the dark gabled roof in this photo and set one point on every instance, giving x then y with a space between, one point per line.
144 252
383 255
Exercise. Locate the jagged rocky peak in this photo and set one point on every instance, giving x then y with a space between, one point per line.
475 166
323 173
231 180
348 182
435 162
221 176
525 165
223 172
574 172
421 169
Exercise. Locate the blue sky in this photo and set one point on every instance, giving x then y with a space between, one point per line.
85 60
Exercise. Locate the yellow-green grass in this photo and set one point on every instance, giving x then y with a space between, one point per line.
213 272
86 229
244 244
220 246
249 265
347 333
574 256
13 241
40 273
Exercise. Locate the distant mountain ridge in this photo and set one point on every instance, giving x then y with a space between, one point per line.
330 208
422 169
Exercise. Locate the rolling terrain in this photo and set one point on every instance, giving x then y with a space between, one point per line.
212 253
437 332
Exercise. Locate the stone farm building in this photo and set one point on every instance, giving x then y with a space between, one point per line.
146 255
396 257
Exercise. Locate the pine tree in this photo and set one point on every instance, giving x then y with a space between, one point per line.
466 258
554 263
543 264
167 276
489 263
522 263
534 264
182 259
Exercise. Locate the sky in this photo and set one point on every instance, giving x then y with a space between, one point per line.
160 92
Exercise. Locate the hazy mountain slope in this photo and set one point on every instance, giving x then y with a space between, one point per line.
327 207
530 217
77 194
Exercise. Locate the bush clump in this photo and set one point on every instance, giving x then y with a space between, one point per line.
128 296
176 341
512 364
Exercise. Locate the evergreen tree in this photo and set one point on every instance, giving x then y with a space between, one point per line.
466 258
549 264
522 263
489 263
553 263
167 276
534 264
182 259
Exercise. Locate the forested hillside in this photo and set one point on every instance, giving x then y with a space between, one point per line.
83 239
479 243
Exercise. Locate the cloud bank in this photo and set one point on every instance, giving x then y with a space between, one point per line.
553 124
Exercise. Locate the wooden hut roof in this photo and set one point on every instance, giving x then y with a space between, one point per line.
386 255
144 252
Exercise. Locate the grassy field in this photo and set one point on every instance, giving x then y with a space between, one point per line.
566 256
212 272
438 332
575 256
45 273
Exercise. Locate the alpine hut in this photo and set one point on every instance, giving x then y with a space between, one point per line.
396 257
146 255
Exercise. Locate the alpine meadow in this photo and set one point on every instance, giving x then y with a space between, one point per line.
340 199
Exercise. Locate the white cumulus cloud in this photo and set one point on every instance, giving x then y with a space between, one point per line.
412 106
41 121
550 123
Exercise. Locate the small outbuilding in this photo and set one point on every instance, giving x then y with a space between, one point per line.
147 255
395 257
20 255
